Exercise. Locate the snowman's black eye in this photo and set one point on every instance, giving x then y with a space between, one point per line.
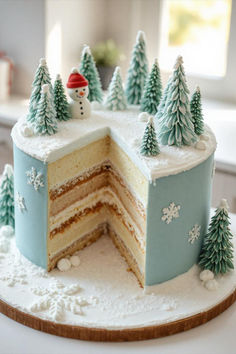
76 90
83 89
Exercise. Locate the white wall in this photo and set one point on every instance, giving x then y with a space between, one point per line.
125 18
69 25
22 37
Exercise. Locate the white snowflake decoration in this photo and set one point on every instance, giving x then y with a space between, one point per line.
16 276
58 298
35 179
20 202
171 212
194 233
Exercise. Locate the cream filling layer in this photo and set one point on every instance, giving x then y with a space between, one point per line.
76 231
104 195
89 224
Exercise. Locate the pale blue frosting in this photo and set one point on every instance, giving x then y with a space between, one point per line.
31 225
168 252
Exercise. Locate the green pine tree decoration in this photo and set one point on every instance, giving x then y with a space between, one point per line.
89 71
60 100
138 71
149 145
152 91
175 125
196 111
42 77
217 250
45 120
7 197
161 107
116 100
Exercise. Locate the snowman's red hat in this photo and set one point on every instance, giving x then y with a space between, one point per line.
76 79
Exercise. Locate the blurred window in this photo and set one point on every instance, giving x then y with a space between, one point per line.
199 31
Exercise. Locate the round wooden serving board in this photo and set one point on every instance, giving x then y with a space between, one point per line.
109 335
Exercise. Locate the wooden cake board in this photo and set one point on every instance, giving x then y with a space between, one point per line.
107 335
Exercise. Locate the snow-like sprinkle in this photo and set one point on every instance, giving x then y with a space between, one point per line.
6 231
102 293
8 170
224 204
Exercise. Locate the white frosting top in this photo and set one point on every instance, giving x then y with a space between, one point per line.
126 129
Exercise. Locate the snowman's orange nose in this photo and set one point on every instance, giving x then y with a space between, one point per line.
81 93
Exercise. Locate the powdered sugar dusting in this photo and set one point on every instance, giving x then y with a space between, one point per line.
101 292
124 127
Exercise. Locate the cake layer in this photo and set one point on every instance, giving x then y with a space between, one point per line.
125 129
75 228
99 177
71 170
104 196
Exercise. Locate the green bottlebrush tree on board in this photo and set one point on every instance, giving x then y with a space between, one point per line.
196 111
7 197
217 250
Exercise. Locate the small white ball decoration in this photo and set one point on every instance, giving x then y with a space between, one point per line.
211 285
7 231
200 145
204 137
26 130
64 264
206 275
143 117
75 261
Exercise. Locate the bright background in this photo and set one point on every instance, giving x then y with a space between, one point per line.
203 31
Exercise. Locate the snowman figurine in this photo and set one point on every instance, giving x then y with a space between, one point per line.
78 91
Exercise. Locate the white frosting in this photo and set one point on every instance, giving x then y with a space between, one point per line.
102 293
123 127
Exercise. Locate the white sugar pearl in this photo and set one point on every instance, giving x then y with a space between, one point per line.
143 117
206 275
75 261
7 231
27 131
211 285
64 264
200 145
